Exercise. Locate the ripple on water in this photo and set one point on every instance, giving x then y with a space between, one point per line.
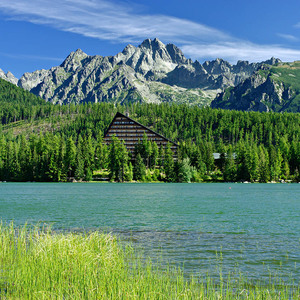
254 228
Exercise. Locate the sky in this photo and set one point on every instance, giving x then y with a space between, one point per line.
40 34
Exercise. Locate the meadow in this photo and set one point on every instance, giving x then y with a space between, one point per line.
37 263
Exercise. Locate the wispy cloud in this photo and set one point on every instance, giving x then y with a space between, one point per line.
288 37
234 51
108 20
31 57
120 22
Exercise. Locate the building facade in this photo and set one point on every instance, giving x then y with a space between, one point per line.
131 132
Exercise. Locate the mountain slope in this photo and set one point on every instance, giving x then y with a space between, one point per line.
121 78
8 77
18 104
152 72
275 88
11 94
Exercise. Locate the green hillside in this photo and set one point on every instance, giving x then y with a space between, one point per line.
18 104
288 74
17 96
54 143
272 88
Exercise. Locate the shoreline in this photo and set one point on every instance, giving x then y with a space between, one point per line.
96 265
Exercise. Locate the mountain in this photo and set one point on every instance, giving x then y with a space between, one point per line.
12 94
8 77
271 88
17 104
152 72
216 74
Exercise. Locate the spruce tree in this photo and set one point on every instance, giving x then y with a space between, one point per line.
70 157
184 171
169 164
230 167
139 171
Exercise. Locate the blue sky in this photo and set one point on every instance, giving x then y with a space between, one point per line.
40 34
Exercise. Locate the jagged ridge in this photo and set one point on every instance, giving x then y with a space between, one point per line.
275 88
151 72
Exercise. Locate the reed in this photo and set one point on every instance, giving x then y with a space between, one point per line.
41 264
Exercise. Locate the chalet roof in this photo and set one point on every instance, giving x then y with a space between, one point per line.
118 114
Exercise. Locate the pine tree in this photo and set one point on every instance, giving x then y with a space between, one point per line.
124 161
161 156
79 172
101 155
70 157
24 158
263 165
2 157
139 171
129 173
169 164
184 171
275 163
118 159
88 154
154 155
230 167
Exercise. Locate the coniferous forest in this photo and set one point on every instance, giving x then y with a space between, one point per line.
44 142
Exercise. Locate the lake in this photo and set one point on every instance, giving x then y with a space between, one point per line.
252 228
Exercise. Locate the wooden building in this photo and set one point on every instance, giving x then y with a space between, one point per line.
131 132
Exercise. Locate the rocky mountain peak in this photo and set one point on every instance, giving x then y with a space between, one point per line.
152 44
73 61
150 72
129 50
217 66
272 61
242 63
176 54
151 58
146 44
270 90
8 77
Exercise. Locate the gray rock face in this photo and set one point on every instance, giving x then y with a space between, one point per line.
151 72
123 77
216 74
8 77
260 92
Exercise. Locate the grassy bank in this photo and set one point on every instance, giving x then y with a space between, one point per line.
40 264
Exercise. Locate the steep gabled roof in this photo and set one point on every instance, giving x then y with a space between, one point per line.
118 114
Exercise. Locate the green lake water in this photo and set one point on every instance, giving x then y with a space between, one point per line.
256 227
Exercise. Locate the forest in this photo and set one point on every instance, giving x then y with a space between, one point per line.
40 141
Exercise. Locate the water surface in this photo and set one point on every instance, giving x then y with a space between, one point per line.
256 227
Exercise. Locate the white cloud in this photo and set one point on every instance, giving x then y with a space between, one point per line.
288 37
108 20
233 51
117 22
31 57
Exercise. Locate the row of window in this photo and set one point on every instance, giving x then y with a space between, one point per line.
132 132
124 122
135 140
138 136
127 128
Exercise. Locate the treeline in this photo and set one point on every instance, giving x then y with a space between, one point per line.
44 142
176 122
56 157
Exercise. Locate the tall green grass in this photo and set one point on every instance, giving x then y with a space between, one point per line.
40 264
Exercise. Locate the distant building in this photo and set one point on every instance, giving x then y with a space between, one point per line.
130 131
